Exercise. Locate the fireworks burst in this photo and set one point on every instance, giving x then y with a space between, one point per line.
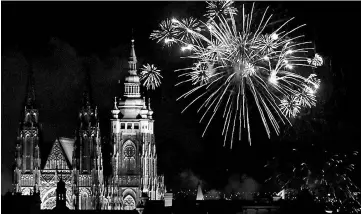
220 7
201 74
150 76
245 60
305 98
166 34
251 65
316 61
334 186
312 83
185 27
290 106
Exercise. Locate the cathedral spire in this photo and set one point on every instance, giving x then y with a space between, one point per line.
30 90
132 61
87 90
133 57
132 82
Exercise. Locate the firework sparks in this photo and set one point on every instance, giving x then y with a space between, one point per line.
150 76
245 59
305 98
220 7
313 83
331 183
290 106
166 34
202 73
336 186
250 64
185 27
317 61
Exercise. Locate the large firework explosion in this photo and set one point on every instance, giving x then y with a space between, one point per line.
329 182
240 60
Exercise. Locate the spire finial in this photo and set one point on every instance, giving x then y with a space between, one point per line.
115 103
87 89
132 34
133 57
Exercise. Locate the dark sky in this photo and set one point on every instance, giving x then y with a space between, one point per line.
63 41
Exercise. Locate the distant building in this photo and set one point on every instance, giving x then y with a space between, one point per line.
78 162
199 193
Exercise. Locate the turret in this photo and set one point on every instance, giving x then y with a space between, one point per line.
61 195
144 111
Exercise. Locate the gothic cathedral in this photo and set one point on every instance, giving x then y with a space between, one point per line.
78 163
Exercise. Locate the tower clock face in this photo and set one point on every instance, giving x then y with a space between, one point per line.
129 151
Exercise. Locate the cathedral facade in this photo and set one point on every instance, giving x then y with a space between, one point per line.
79 162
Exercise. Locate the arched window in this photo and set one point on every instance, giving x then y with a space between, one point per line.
129 153
128 203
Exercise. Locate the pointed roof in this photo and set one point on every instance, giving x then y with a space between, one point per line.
199 193
133 57
68 146
86 99
132 62
87 90
30 90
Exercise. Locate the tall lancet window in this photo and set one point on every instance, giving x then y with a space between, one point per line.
28 153
33 118
85 153
129 156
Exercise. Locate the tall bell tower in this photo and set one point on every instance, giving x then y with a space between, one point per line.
134 159
87 160
27 168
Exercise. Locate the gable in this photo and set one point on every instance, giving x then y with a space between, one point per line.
57 158
68 146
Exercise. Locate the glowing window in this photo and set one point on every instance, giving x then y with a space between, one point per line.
136 125
129 203
129 151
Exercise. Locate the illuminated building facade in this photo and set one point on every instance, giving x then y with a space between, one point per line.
78 162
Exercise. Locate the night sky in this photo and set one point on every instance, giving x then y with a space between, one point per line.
62 42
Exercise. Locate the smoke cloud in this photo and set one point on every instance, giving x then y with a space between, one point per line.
242 184
189 179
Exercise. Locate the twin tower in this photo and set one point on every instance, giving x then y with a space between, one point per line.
79 162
